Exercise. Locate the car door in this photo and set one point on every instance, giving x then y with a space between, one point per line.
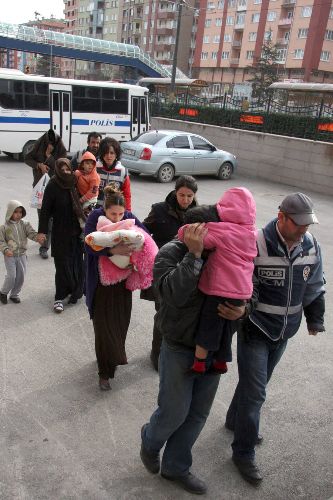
206 158
181 154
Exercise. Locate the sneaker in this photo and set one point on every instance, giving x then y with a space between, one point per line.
43 253
16 300
58 306
3 298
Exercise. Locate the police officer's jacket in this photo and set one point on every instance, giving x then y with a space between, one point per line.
286 284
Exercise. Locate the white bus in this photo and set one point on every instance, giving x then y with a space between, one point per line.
30 105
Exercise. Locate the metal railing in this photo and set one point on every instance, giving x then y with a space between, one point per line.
36 35
311 121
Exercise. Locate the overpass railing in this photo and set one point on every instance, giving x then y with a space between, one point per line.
36 35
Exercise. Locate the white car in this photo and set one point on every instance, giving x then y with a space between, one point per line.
166 153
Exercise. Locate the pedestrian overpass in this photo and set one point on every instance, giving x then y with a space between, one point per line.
56 44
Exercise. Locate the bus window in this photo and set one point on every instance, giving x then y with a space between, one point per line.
65 102
143 110
29 87
55 101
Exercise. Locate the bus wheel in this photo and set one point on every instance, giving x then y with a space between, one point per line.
26 149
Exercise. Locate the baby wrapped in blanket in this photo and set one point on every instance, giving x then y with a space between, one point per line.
136 268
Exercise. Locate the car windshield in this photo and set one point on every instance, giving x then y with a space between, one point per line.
150 138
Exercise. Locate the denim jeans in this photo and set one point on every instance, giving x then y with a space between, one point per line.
256 358
184 403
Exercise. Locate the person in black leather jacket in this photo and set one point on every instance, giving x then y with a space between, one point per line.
184 399
163 222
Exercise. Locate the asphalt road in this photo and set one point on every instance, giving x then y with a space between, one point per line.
61 438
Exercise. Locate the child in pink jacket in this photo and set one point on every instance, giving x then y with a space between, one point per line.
227 274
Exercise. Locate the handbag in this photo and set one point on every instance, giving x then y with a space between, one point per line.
38 191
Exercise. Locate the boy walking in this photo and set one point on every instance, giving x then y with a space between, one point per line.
13 244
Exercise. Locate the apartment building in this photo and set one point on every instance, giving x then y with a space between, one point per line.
230 35
150 24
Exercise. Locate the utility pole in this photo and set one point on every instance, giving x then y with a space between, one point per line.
174 63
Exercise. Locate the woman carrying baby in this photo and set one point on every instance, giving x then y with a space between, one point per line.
111 275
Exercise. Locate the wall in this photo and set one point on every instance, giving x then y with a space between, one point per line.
305 164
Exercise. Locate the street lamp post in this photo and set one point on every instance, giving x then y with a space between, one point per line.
174 63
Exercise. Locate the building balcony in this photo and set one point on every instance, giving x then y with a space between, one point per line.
288 3
282 41
241 8
236 44
239 27
234 61
281 61
166 15
164 31
162 46
285 22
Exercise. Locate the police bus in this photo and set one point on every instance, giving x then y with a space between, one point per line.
30 105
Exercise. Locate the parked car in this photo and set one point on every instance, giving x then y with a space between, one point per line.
166 153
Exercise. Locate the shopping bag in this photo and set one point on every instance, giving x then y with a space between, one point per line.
38 191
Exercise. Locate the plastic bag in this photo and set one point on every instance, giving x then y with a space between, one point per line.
38 192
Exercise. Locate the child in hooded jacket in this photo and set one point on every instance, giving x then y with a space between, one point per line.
88 181
14 236
226 276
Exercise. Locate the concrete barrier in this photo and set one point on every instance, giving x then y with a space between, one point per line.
296 162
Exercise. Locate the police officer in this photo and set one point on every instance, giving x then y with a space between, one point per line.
288 279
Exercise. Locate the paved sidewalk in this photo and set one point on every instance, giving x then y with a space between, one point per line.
61 438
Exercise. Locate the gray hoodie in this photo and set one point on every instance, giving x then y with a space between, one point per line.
14 235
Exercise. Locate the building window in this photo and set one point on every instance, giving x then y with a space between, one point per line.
214 55
216 39
230 20
206 39
227 37
225 55
303 32
281 55
211 6
268 35
255 17
306 11
242 3
256 2
331 14
329 35
252 36
249 54
325 55
231 4
299 53
240 19
218 22
204 55
271 16
220 4
208 23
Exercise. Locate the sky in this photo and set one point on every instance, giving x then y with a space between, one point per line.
23 10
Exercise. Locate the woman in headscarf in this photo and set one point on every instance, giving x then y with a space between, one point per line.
61 201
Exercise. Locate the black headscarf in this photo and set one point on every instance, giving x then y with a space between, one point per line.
69 181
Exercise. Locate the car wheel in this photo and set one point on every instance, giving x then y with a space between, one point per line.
26 149
166 173
225 171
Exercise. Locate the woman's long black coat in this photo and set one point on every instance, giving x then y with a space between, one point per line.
57 203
